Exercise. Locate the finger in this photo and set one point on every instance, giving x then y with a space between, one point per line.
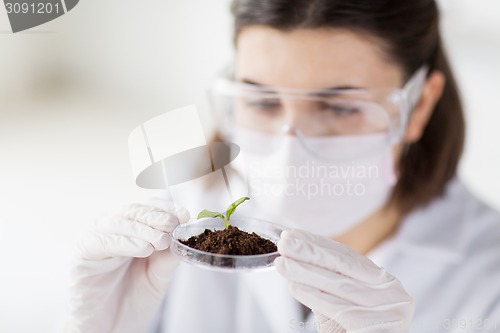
349 289
325 324
97 246
331 255
354 318
114 225
154 217
319 302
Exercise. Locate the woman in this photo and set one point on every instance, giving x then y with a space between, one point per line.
323 84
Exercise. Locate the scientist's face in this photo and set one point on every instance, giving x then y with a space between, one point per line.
326 59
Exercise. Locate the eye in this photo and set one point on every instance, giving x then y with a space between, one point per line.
265 105
341 110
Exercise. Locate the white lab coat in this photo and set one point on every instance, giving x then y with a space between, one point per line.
447 255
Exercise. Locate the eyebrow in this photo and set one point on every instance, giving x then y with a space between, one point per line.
253 83
346 87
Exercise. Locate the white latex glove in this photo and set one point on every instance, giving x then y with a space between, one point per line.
122 269
346 291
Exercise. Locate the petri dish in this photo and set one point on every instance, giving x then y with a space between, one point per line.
225 262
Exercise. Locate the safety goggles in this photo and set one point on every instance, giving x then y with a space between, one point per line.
313 115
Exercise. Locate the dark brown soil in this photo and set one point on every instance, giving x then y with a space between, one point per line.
231 241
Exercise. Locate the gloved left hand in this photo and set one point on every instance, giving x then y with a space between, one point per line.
346 290
122 269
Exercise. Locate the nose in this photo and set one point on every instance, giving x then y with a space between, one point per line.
294 117
288 129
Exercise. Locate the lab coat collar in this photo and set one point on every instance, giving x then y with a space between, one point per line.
437 231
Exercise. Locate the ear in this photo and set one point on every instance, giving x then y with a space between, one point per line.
431 93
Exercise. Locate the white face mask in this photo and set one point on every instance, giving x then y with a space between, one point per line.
289 187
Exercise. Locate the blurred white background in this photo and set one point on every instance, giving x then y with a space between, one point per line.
72 90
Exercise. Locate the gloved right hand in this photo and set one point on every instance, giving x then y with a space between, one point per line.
346 290
122 269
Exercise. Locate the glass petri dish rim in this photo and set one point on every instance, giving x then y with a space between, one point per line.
199 223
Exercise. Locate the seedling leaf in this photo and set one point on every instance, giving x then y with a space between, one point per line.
208 213
230 210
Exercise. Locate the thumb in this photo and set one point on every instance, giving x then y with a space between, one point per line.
181 213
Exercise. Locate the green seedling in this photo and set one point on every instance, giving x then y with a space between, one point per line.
230 210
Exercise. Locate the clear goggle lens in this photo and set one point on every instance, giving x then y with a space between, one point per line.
314 115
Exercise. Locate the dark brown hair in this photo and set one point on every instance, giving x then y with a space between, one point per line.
409 30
